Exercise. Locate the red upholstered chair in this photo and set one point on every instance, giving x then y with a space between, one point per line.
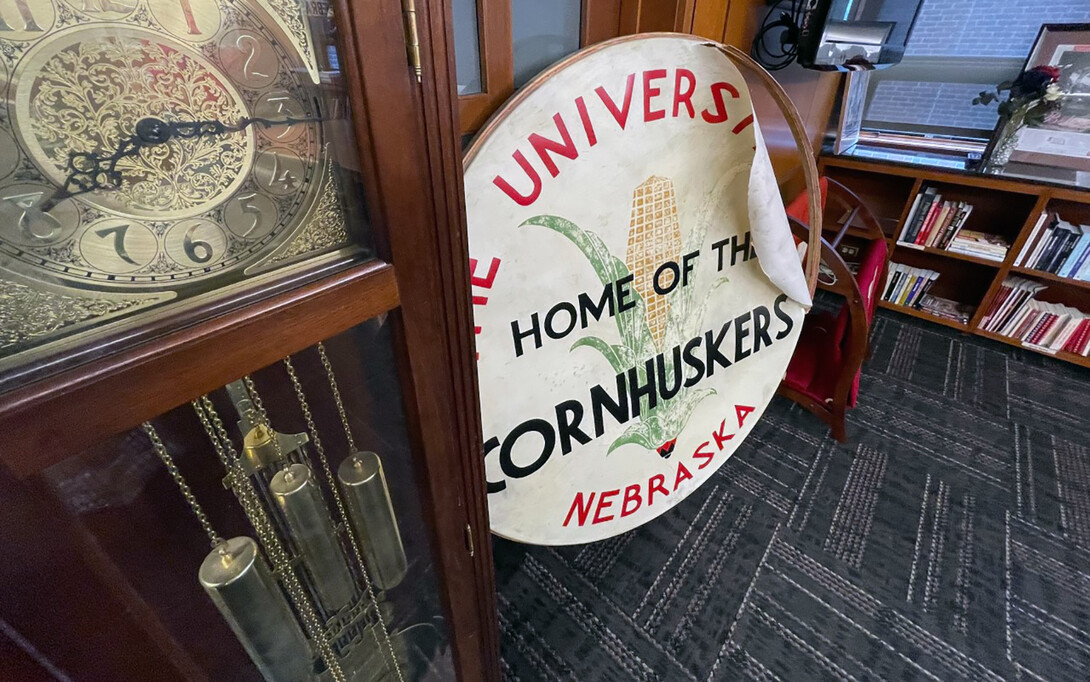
824 373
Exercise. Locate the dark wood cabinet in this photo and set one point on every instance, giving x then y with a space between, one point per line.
102 548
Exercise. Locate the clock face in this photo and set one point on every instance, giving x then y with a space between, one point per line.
96 209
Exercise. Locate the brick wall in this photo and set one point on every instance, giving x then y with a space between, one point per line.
965 28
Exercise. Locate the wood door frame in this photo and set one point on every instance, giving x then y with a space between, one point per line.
599 20
497 61
418 215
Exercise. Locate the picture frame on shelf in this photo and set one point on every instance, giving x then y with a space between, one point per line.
853 102
1063 139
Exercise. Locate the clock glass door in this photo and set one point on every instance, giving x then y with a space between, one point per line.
158 156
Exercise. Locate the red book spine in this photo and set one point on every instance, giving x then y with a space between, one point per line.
928 222
1074 344
1043 326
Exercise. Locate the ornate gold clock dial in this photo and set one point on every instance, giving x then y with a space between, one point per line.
84 91
239 182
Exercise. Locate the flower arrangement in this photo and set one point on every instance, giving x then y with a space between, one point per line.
1032 99
1033 95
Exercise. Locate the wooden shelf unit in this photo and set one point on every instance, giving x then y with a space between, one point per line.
1006 207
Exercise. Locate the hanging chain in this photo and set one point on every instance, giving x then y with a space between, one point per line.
161 451
313 430
337 397
247 496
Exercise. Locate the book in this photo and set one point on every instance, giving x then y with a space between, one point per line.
1034 237
946 309
1079 261
911 215
980 244
1060 235
1082 245
913 227
958 224
1065 249
1042 243
942 221
929 220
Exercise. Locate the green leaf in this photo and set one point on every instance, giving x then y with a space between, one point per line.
632 323
636 434
647 433
617 356
680 409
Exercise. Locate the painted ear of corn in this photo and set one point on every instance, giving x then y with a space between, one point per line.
654 238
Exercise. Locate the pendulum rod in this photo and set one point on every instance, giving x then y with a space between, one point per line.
247 496
161 451
313 430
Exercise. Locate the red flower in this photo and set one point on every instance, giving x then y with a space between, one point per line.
1053 72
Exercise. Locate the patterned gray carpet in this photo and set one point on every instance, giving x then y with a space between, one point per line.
948 540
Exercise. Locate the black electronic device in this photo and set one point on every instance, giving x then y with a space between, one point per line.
836 35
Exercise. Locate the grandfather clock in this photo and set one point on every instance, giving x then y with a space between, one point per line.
240 437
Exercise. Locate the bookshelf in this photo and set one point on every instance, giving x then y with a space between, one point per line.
1001 206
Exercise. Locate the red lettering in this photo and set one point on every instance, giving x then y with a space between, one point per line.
588 127
652 486
719 437
486 281
521 199
620 115
631 494
743 124
720 114
543 145
743 412
706 456
684 96
649 91
603 504
583 510
682 475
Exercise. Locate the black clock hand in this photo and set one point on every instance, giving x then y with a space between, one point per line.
88 171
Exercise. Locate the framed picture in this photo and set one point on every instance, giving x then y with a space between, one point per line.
1063 140
852 104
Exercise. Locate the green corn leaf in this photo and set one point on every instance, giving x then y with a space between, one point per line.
644 432
618 357
680 409
631 324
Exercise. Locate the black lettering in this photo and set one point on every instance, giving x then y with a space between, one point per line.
784 317
718 246
692 359
550 329
548 437
687 266
761 318
711 348
638 391
741 331
535 331
490 445
669 389
623 292
671 267
568 426
617 407
587 309
744 249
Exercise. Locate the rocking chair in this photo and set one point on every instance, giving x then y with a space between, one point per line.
824 372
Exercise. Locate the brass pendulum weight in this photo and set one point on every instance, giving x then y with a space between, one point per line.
300 502
240 584
372 517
